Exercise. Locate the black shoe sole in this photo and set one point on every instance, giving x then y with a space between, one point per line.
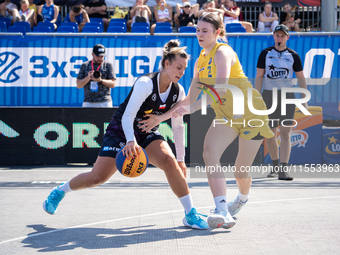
286 179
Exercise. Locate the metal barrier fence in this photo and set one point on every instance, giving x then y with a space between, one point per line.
310 15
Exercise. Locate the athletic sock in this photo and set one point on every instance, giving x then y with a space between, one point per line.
65 187
186 202
275 164
284 167
243 198
221 203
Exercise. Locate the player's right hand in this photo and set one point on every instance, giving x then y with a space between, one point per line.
131 149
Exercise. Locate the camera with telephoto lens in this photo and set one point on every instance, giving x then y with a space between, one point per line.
96 74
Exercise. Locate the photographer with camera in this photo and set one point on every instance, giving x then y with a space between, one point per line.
97 77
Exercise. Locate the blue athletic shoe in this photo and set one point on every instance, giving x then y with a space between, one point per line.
193 220
50 205
235 206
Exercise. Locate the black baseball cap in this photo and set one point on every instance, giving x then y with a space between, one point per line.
283 28
99 50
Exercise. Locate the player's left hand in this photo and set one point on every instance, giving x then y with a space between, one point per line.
183 168
149 123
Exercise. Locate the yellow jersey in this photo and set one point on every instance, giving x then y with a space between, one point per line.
243 124
33 7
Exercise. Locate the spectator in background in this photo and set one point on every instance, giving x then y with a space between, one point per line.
97 9
78 15
185 14
209 6
180 9
162 12
232 15
9 10
139 13
290 17
48 12
32 6
217 4
268 20
26 14
97 77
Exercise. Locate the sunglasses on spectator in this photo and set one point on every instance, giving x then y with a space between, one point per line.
188 6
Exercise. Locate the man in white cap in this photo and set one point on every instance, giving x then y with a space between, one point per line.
186 12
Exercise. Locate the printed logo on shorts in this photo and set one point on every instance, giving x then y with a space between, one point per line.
108 148
174 98
246 132
154 97
149 136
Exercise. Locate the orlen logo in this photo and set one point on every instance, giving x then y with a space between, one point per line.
7 60
299 138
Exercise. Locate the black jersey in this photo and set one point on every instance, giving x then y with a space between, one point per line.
279 67
152 104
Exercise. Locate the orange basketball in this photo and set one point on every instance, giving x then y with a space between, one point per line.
132 167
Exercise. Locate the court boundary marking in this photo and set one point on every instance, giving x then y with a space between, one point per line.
153 214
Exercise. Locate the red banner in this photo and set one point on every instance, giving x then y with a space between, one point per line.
278 2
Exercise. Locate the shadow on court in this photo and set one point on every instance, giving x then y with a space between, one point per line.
46 239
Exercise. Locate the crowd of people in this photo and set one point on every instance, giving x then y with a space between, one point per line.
181 15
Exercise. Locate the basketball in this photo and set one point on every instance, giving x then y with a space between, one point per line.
132 167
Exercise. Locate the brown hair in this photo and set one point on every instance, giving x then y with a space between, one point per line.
267 2
215 20
171 50
77 8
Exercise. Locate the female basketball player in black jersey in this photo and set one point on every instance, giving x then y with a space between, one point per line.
153 93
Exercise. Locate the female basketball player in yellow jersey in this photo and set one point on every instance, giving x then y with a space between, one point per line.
219 64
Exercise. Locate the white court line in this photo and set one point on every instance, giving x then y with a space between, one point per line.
153 214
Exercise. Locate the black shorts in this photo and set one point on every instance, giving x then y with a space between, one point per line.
114 140
276 115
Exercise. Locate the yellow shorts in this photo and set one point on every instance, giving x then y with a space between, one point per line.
248 125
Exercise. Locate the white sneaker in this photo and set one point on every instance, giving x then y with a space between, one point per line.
23 17
235 206
220 219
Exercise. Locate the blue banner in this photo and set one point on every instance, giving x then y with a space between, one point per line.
40 70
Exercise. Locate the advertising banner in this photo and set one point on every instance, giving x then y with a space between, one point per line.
306 139
39 136
331 145
42 70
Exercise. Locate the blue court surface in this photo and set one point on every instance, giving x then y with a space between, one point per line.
142 216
